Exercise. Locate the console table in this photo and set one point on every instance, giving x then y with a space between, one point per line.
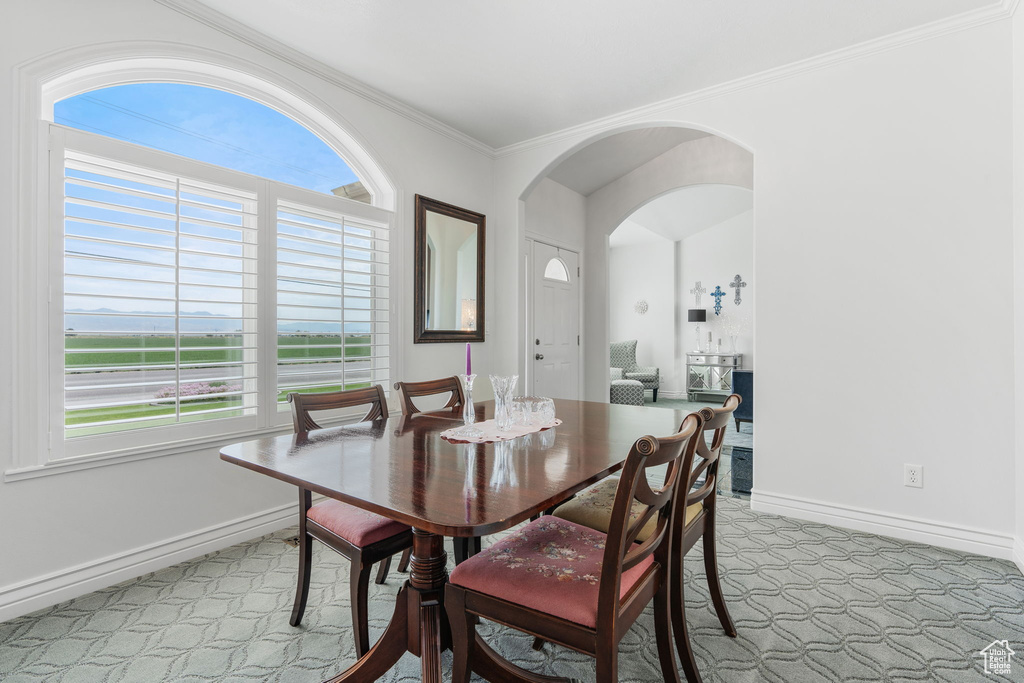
710 374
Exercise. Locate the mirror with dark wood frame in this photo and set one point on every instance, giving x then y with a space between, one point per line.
449 273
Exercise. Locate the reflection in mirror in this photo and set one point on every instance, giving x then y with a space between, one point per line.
450 273
449 286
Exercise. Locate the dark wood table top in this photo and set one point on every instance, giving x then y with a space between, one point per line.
401 467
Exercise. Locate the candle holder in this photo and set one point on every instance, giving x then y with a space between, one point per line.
469 428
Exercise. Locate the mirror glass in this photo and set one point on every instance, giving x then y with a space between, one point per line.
449 273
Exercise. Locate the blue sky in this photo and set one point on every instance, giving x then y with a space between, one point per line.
209 125
119 264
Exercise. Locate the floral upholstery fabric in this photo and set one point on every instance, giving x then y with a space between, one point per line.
593 508
551 565
357 526
627 392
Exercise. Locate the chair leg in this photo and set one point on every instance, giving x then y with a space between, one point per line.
608 664
359 586
737 425
655 394
403 564
382 571
302 589
461 549
663 632
463 628
538 644
714 584
477 546
678 609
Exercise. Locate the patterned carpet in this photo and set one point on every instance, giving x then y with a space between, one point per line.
811 603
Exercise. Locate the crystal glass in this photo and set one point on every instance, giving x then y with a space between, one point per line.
503 385
521 410
545 411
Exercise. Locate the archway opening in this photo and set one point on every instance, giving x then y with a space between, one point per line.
666 186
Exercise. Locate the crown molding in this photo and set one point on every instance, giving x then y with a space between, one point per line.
224 24
960 22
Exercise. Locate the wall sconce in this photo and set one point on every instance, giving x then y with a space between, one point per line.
468 314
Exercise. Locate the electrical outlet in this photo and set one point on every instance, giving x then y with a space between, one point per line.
913 475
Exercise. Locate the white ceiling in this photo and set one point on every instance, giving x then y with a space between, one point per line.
679 214
504 72
612 157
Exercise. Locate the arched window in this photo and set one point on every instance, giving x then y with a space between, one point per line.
556 270
199 230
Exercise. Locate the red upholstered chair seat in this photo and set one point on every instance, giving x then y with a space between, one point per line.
357 526
551 565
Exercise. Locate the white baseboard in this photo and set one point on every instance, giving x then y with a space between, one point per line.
1018 553
671 394
950 536
45 591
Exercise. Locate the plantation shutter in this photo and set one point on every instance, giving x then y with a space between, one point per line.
160 286
332 300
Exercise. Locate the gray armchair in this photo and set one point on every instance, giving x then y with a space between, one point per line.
623 357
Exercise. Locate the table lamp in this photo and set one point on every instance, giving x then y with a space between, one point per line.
697 315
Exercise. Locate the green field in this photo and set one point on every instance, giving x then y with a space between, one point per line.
130 350
159 350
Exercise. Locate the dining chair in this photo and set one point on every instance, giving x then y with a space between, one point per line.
364 538
593 508
432 387
573 585
464 547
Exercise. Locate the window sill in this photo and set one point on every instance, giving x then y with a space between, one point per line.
88 462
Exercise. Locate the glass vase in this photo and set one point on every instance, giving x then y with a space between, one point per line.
504 386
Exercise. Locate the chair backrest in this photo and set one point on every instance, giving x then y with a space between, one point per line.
707 458
623 355
406 390
628 519
743 386
304 404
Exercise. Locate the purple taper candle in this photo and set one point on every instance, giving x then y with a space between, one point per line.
469 362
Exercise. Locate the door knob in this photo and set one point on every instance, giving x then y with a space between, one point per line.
539 356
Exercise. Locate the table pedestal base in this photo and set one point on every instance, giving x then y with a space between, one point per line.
419 625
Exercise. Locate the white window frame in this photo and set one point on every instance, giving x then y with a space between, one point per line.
38 85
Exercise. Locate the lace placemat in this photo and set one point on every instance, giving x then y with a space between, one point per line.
491 433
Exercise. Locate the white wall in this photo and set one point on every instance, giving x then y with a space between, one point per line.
555 212
1018 272
882 204
70 533
646 271
714 257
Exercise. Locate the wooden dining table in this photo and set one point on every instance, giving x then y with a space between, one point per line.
403 469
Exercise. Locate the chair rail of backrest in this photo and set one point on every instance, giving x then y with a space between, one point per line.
716 420
406 390
622 551
304 404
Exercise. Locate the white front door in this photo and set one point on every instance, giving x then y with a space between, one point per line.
555 349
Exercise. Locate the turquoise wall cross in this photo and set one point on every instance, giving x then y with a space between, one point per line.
718 294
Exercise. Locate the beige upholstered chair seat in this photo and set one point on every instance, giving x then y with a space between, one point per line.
593 508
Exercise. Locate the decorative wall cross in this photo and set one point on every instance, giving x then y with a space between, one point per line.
697 291
738 283
718 294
